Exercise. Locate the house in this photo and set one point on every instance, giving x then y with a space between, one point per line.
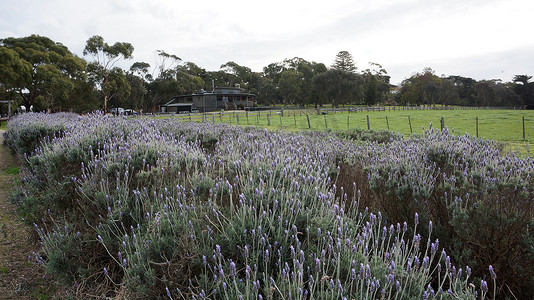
227 98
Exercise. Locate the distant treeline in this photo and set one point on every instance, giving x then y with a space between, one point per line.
41 74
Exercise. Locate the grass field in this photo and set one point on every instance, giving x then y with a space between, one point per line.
499 125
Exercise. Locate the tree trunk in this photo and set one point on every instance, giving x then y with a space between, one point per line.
105 104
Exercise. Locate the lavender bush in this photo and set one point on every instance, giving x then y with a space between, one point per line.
480 200
146 208
25 133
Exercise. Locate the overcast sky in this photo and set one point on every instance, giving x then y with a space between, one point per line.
482 39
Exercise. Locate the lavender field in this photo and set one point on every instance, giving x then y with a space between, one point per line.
140 208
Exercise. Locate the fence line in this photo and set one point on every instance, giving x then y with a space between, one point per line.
265 118
311 111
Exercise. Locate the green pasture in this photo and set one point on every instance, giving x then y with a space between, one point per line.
499 125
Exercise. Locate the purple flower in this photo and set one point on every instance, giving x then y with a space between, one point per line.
168 292
232 269
493 275
484 286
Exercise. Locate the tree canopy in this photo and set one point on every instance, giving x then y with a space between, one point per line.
344 62
40 73
109 79
38 69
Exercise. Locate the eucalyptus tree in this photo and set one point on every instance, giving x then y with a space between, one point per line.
283 77
39 70
163 85
376 84
141 69
138 90
273 72
109 79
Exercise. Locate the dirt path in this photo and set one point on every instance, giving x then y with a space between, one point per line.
19 279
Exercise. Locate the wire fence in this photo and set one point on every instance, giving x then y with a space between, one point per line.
492 123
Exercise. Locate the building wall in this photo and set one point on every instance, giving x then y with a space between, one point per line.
206 102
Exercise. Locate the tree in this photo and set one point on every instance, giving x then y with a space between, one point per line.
165 62
338 87
138 91
376 84
192 69
268 93
188 83
103 72
465 88
38 70
344 62
290 86
306 70
162 88
421 88
140 69
371 93
524 88
273 72
448 93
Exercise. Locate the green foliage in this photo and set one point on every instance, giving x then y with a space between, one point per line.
12 171
480 203
379 136
41 71
338 86
161 208
421 88
291 86
110 81
344 62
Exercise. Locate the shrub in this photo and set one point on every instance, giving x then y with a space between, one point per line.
480 201
158 209
379 136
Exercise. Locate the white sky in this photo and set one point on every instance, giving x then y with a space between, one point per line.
482 39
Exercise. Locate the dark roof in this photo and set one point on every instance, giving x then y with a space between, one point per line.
178 104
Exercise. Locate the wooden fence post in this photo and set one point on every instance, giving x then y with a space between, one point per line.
387 122
368 124
410 121
442 123
295 119
325 126
237 117
348 122
309 124
268 119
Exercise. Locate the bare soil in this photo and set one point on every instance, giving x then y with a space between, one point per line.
19 277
